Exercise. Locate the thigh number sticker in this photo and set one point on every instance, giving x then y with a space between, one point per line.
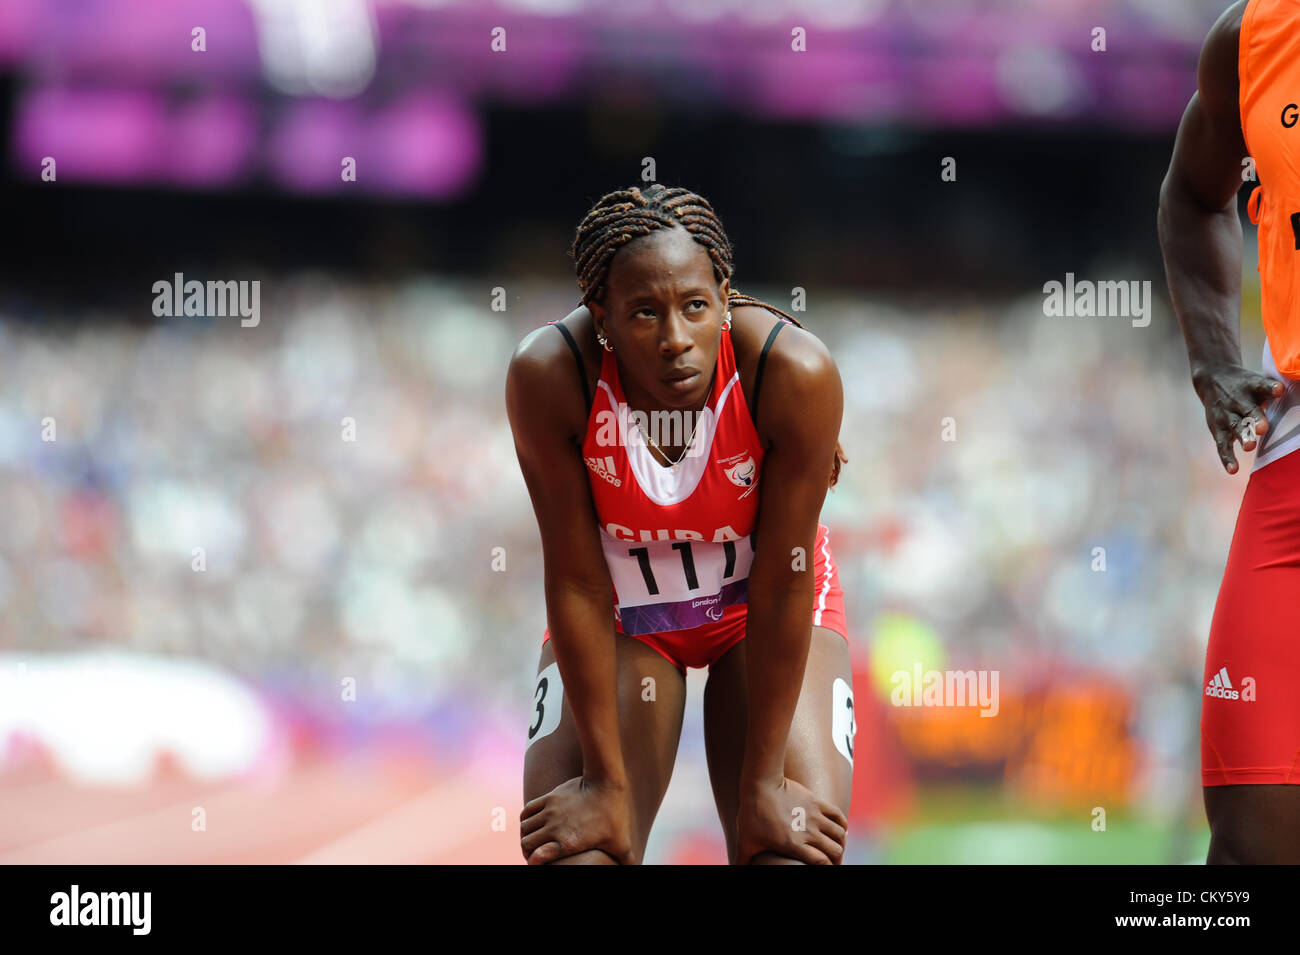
843 726
547 699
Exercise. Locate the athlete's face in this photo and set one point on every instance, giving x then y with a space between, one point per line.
662 314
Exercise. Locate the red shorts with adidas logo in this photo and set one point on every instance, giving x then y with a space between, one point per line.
1250 694
702 646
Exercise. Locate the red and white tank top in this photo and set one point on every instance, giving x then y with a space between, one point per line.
678 541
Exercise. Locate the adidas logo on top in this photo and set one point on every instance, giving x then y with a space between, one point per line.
605 468
1221 686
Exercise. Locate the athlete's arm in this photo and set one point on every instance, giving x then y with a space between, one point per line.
1200 236
801 413
540 396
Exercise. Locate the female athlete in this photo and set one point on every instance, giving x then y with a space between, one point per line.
698 545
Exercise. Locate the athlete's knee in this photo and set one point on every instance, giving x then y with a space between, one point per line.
589 857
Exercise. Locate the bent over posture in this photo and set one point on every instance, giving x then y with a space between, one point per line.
695 546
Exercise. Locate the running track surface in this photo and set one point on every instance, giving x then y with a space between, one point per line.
371 806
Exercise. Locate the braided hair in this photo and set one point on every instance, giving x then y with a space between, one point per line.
619 217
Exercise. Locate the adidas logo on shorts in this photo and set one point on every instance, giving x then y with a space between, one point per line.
1222 687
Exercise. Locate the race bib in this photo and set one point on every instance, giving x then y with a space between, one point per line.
676 585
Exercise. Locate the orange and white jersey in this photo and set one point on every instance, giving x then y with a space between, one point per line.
1269 98
1268 69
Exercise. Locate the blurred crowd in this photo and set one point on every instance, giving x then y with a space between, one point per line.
334 494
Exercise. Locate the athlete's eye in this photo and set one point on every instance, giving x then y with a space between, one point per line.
647 310
700 302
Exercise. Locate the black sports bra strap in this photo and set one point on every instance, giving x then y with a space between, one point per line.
758 375
582 368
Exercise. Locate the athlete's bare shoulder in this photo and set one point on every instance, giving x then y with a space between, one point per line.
1205 167
545 343
1217 80
1229 22
544 377
750 326
799 368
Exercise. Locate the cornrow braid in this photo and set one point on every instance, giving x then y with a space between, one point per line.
619 217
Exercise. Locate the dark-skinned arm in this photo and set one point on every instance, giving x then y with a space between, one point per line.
1200 237
801 407
579 592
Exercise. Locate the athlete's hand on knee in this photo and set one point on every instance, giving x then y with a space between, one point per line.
577 815
784 817
1234 397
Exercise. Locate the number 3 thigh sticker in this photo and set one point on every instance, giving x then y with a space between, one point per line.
843 726
547 698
